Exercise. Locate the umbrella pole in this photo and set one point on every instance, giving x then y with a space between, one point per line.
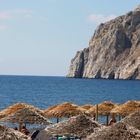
20 126
57 120
107 119
119 117
97 112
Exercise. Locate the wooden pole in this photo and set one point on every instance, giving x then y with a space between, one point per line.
20 126
107 120
119 117
97 112
57 120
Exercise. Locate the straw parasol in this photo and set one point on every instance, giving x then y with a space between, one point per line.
118 131
91 111
46 111
80 126
26 115
14 108
64 110
10 134
127 108
87 106
103 109
133 120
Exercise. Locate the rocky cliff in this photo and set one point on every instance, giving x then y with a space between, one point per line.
113 52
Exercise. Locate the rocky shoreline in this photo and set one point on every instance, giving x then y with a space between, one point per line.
113 52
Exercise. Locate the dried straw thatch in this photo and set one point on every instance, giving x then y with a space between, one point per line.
133 120
87 106
10 134
25 115
127 108
80 126
49 109
103 108
64 110
92 110
14 108
127 129
119 131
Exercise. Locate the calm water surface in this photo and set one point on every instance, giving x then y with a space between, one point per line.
46 91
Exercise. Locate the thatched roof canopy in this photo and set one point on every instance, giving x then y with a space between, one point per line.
46 111
25 115
80 125
133 120
106 107
10 134
103 108
64 110
92 111
127 108
14 108
87 106
118 131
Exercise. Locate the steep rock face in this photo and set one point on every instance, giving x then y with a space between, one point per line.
78 64
113 52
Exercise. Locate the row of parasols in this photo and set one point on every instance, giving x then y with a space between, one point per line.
25 113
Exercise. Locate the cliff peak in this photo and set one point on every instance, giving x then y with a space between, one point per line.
113 52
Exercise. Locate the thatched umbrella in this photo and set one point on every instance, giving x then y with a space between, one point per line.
127 108
49 109
133 120
14 108
103 109
25 116
10 134
87 106
118 131
80 126
92 111
64 110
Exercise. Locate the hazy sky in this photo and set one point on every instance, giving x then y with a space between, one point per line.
40 37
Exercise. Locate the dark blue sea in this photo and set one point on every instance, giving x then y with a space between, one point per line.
46 91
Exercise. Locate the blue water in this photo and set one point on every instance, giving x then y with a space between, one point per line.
46 91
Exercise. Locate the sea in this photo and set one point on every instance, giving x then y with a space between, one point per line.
44 91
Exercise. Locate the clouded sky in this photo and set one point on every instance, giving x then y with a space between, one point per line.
40 37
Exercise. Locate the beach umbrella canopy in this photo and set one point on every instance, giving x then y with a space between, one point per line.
127 108
49 109
91 111
103 108
80 126
64 110
14 108
26 115
106 107
118 131
133 120
11 134
87 106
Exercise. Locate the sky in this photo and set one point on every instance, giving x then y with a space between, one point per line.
40 37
